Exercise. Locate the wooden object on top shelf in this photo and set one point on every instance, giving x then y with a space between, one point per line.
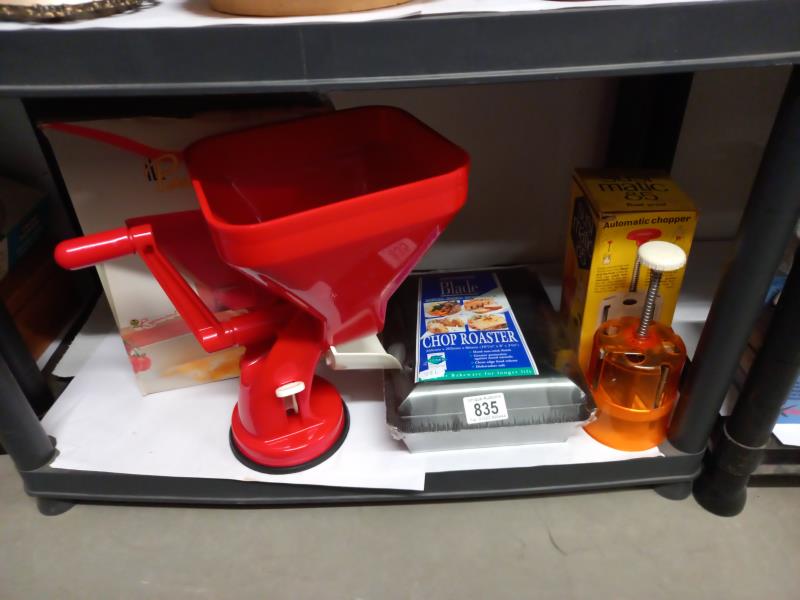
298 8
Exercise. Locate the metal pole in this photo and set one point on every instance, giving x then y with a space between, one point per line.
647 120
21 433
722 488
767 223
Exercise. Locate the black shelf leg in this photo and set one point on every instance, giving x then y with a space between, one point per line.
722 488
647 121
674 491
51 507
21 433
767 224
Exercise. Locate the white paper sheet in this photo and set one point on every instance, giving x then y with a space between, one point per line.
197 13
101 423
787 433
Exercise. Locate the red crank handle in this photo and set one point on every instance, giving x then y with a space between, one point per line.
94 248
256 326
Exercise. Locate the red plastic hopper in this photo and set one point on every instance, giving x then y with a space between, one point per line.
326 215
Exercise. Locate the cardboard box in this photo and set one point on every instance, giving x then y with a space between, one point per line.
22 215
108 182
611 214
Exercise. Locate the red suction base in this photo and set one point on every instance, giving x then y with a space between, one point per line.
307 441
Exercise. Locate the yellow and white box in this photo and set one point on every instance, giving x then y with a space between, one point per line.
613 212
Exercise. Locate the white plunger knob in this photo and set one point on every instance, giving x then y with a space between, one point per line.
289 389
662 256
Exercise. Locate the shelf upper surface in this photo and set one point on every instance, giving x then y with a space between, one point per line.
436 50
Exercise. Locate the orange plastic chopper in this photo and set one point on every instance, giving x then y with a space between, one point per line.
325 216
636 364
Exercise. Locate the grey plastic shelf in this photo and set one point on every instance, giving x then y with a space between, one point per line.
468 48
780 466
674 469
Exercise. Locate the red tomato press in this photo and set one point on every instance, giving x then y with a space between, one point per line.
326 216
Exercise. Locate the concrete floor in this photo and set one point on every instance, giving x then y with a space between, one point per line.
618 545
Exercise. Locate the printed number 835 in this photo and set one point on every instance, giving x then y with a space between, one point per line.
485 408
